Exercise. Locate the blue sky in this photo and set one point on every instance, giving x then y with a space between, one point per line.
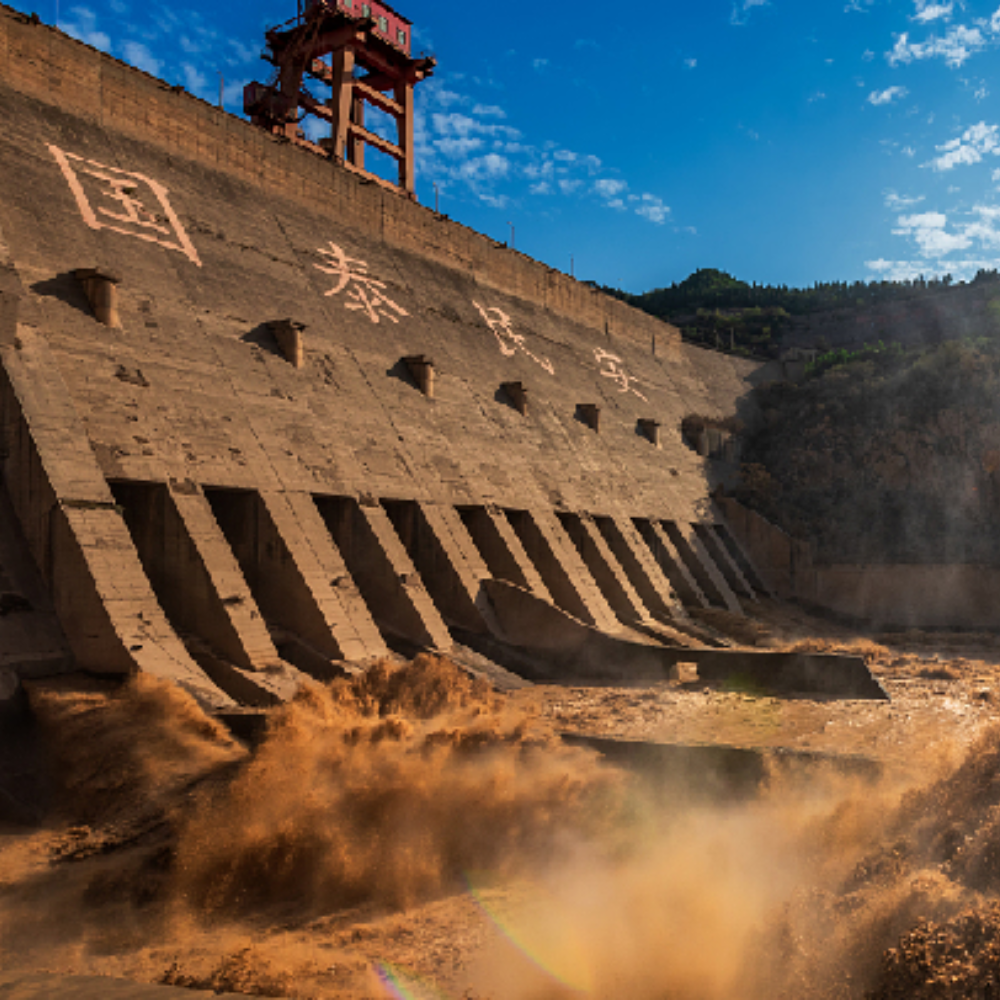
783 141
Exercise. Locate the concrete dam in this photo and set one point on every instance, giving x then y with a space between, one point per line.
262 418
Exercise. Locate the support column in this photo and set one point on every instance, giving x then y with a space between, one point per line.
356 146
724 561
354 628
447 560
698 561
673 565
76 533
287 579
502 550
380 564
240 633
607 572
342 103
556 559
407 172
641 568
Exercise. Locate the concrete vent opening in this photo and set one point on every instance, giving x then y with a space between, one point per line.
554 575
589 414
657 603
289 336
694 564
100 285
421 369
372 552
580 534
670 563
650 430
178 576
294 620
489 541
720 556
517 393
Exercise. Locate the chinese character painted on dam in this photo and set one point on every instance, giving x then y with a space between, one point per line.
363 291
509 341
613 369
124 202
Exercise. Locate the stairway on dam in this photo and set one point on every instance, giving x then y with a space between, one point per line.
262 420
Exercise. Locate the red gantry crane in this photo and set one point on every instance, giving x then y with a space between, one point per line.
368 45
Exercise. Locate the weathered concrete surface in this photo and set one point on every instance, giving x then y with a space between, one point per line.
573 651
218 236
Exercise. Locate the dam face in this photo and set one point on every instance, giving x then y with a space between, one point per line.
259 417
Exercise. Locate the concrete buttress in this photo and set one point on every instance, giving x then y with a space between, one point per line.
77 535
642 569
382 568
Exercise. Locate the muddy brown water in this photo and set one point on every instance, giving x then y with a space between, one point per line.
417 834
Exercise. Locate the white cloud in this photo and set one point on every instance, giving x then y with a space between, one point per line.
138 55
858 6
609 187
936 237
955 47
995 176
653 209
690 63
195 80
83 27
492 166
818 96
742 9
909 151
539 64
974 143
458 147
929 231
887 96
897 202
868 55
928 11
467 150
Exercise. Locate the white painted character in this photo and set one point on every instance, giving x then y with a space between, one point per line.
139 206
363 291
615 370
508 340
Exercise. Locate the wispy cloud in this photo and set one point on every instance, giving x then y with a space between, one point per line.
650 207
138 55
83 26
956 46
887 96
469 151
970 147
936 237
742 9
898 202
928 11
